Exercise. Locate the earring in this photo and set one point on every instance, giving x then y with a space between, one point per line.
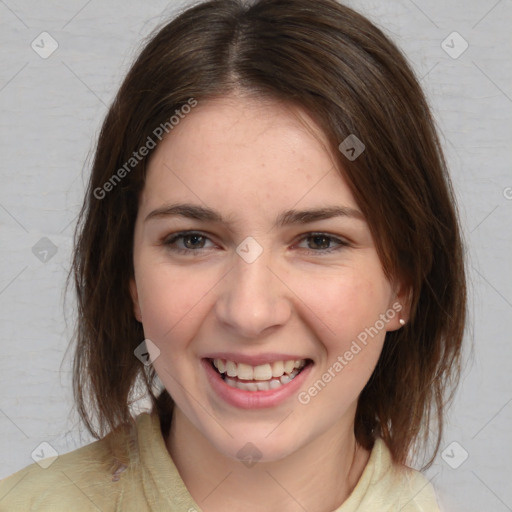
402 322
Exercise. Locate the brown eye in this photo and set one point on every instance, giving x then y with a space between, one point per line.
319 242
193 241
186 242
322 243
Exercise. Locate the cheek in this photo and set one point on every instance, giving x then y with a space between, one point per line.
343 304
171 301
343 314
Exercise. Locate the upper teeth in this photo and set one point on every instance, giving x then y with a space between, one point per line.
261 372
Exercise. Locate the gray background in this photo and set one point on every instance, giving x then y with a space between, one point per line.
51 110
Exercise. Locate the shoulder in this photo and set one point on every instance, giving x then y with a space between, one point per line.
84 479
386 486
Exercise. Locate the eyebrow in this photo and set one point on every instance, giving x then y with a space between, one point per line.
288 217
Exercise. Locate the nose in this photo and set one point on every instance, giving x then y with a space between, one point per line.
252 300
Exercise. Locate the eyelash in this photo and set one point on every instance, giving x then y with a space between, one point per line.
168 241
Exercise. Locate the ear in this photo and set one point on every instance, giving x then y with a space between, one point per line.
399 307
135 299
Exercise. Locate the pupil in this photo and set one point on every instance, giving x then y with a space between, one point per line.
321 240
194 239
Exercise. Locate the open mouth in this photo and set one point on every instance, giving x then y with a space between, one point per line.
258 378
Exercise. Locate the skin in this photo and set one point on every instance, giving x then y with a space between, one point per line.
251 159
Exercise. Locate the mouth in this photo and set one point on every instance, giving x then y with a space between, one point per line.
263 377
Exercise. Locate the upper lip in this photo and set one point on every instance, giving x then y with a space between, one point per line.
254 360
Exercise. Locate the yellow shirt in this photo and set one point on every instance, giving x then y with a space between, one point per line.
139 475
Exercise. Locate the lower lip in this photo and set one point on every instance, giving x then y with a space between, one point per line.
253 399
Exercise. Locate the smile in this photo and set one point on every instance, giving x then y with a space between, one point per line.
258 378
253 387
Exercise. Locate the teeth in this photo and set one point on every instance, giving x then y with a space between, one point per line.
231 369
289 366
277 369
245 372
252 386
285 379
263 372
262 385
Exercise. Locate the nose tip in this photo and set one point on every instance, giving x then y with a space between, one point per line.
251 300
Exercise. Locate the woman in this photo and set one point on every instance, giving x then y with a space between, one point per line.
269 210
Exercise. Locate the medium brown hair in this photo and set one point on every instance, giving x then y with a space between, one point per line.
341 69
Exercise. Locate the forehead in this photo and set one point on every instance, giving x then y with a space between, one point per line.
244 154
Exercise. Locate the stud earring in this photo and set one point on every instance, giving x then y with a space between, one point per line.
402 322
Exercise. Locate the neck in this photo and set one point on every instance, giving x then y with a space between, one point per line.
317 477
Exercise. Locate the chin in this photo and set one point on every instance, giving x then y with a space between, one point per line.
257 445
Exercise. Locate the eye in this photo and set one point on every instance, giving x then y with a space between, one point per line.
190 241
323 243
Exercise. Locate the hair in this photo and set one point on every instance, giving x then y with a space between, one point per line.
341 69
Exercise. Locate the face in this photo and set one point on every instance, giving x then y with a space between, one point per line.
250 252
